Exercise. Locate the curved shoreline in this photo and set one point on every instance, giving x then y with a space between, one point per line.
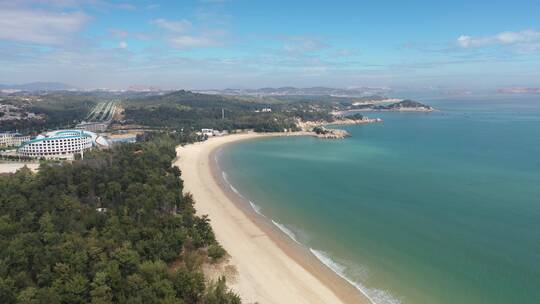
272 268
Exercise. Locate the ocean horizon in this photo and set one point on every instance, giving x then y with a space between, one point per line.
435 207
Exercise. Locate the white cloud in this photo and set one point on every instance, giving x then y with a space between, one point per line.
187 41
526 40
464 41
40 27
182 35
179 26
123 45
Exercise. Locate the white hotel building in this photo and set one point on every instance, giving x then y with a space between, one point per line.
61 144
10 139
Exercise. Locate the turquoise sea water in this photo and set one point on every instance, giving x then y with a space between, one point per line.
441 207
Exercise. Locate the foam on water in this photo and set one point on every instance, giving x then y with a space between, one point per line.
287 231
376 296
230 186
255 208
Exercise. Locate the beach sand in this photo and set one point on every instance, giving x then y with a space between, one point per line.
270 268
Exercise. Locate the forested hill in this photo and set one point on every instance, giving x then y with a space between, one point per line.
56 246
187 110
198 100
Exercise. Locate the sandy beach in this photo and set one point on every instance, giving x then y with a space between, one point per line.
270 267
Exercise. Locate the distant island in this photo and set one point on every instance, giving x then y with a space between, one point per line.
519 91
405 105
378 105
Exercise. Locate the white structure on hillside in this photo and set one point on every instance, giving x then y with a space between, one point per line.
61 144
93 126
11 139
264 110
207 132
212 132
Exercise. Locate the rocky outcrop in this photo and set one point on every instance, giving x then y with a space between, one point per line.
319 129
339 120
322 132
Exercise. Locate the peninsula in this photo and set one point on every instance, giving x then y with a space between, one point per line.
406 105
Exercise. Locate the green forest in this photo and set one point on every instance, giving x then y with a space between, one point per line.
178 110
112 228
59 109
193 111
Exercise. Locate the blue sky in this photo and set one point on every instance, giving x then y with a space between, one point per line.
455 45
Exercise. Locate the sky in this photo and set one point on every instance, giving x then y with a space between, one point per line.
204 44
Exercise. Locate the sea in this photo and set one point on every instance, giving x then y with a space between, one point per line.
440 207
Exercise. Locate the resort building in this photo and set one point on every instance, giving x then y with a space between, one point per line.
212 132
207 132
264 110
11 139
93 126
62 144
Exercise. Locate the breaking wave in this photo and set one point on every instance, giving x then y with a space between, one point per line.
256 208
287 231
376 296
229 184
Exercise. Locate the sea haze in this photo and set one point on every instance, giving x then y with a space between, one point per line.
439 207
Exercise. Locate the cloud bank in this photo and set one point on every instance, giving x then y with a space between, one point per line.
526 40
40 27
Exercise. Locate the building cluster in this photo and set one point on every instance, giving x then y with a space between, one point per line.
212 132
61 144
11 139
11 112
264 110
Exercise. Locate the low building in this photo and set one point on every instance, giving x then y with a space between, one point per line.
11 139
207 132
264 110
212 132
93 126
61 144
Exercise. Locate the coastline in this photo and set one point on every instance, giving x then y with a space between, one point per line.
400 110
271 267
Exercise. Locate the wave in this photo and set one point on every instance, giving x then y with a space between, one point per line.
256 208
376 296
224 174
287 231
218 154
